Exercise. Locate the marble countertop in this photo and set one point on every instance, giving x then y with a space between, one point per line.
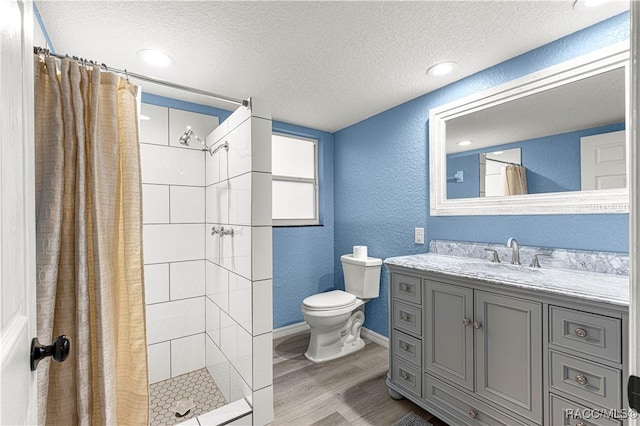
609 288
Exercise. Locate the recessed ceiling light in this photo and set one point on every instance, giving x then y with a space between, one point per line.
155 57
465 143
144 117
442 68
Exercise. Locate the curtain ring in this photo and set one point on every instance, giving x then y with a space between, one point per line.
127 75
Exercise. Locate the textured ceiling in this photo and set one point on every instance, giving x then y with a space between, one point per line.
324 65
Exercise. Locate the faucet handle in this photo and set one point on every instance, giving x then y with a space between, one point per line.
494 258
534 260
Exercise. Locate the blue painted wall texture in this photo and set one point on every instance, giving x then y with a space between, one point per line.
302 256
381 177
552 163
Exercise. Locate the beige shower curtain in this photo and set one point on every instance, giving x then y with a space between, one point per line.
89 246
515 180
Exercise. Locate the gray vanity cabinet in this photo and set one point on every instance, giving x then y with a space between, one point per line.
487 343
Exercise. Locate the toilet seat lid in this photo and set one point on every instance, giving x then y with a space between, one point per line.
334 299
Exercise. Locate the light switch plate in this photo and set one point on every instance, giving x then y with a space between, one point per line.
419 235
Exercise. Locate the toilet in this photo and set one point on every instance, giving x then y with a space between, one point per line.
335 317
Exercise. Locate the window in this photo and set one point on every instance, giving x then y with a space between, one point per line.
294 165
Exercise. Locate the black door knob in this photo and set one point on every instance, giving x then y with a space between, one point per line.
59 350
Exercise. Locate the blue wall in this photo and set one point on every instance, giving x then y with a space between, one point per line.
302 255
552 163
381 176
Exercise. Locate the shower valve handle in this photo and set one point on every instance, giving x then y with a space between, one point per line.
59 350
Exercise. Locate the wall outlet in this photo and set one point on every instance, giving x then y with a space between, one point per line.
419 235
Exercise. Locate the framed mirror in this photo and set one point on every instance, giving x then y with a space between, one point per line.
552 142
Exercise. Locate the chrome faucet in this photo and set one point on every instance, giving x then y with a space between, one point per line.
515 256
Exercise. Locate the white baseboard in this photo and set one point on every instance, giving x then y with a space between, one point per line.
290 329
303 326
375 337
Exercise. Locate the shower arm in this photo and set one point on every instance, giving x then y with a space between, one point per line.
188 134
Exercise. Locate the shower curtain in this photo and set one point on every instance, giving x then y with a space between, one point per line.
89 246
514 178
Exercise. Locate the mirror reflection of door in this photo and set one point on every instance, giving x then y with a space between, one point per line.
603 161
494 164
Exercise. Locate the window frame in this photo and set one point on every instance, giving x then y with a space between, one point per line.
314 181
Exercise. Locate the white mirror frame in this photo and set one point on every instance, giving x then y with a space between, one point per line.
574 202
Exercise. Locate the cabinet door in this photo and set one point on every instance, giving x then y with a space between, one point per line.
449 344
509 353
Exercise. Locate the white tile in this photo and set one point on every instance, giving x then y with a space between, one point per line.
261 200
187 354
239 204
240 301
228 336
213 244
201 124
218 366
260 108
217 288
191 422
212 323
159 362
172 166
218 202
222 415
261 253
234 120
239 150
262 307
243 421
217 164
155 203
263 406
187 279
156 283
173 243
235 253
172 320
261 145
243 361
239 389
187 204
262 361
156 129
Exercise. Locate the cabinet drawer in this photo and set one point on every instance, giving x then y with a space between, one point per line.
586 333
587 380
466 409
567 413
406 347
407 318
407 376
407 288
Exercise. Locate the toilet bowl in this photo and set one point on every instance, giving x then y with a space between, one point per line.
336 317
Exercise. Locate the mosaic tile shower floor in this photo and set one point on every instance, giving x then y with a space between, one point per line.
197 385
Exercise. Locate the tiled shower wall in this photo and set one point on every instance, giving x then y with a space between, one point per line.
173 178
238 298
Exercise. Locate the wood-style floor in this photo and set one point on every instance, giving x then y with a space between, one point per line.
346 391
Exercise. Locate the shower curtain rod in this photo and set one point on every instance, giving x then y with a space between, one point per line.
42 51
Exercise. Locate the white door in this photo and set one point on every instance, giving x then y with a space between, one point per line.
603 161
17 214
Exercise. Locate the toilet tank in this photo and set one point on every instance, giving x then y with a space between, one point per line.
361 276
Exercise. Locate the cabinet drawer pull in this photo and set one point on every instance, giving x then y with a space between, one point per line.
404 375
477 325
404 316
404 346
466 321
473 414
581 333
405 287
582 380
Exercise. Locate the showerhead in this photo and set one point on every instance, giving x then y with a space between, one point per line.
186 136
